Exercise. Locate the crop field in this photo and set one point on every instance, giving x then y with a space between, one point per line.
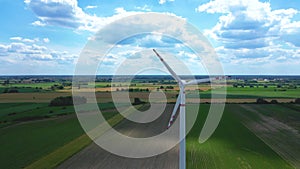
231 146
25 143
28 87
253 93
278 126
28 135
264 92
12 113
21 112
44 85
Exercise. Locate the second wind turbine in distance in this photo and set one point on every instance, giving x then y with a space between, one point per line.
181 103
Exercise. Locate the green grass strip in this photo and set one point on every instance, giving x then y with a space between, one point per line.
65 152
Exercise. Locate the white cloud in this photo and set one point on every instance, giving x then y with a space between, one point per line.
252 38
57 12
67 13
248 20
169 25
25 40
143 8
16 38
46 40
91 7
250 32
164 1
120 10
18 52
28 40
268 55
38 23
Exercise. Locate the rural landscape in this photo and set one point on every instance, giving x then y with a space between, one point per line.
150 84
259 128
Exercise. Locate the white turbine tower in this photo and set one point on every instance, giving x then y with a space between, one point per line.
181 103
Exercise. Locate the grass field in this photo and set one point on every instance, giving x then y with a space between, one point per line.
63 153
247 92
264 92
44 85
277 126
285 113
12 113
24 143
28 88
231 146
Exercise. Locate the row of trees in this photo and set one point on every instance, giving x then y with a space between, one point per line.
10 91
145 90
242 85
133 90
68 101
263 101
55 87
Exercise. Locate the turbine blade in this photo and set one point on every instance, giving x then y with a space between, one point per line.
173 115
175 76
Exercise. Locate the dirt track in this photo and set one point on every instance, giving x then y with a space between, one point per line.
95 157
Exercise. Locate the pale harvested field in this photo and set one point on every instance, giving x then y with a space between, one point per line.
282 138
93 157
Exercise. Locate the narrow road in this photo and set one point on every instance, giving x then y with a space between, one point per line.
94 157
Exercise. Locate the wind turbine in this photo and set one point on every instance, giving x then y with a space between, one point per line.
181 103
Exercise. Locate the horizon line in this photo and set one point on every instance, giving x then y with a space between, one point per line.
152 75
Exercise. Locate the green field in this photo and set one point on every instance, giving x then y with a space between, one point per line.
263 92
44 85
28 88
12 113
285 113
231 146
252 93
25 143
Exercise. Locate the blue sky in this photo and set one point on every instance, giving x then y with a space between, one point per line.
249 36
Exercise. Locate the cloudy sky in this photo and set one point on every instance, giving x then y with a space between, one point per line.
249 36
